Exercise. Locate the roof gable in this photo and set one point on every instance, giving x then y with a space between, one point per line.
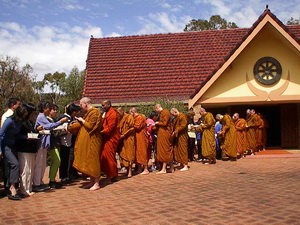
290 33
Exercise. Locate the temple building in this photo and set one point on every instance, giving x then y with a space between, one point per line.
224 71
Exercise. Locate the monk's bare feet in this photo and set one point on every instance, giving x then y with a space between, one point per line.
161 172
184 169
95 187
88 185
129 175
144 173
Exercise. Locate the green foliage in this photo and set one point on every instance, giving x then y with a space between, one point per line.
64 88
215 23
293 21
53 81
72 86
15 81
147 109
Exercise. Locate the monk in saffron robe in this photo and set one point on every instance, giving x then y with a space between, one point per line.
88 143
260 133
111 138
264 132
240 126
126 147
208 143
181 138
164 139
252 124
143 153
228 145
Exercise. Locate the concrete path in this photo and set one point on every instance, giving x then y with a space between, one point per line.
254 190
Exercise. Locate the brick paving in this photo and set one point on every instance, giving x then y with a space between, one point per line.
255 190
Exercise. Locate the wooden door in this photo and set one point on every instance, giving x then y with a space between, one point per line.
289 118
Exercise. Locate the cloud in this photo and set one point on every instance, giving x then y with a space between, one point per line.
172 8
114 34
245 13
71 5
162 22
47 48
12 26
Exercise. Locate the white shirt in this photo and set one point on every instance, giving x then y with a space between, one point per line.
5 115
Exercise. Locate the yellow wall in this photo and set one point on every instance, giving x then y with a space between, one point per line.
267 43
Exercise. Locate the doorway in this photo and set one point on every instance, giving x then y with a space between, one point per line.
271 114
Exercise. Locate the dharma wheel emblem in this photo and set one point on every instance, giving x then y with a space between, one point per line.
267 70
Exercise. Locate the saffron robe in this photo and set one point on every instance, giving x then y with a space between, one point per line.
88 143
252 123
164 137
126 145
259 132
228 146
111 138
208 142
181 139
141 140
241 144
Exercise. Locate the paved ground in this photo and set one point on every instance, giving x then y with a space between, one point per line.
255 190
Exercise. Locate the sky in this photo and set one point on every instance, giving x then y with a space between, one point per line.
53 35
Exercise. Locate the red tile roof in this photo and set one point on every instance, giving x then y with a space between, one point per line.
172 66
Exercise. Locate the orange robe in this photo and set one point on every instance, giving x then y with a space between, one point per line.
252 123
181 139
240 126
141 140
208 141
88 143
259 132
264 133
228 146
164 137
111 137
126 145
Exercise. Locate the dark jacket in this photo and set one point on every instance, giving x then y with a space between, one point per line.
23 144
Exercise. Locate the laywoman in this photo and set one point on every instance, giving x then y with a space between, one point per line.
8 132
43 143
27 148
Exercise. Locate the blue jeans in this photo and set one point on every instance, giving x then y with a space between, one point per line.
11 164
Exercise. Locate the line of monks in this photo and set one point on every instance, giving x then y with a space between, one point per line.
232 137
131 136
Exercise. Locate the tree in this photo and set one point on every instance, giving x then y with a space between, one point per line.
39 87
293 21
15 81
54 81
215 23
72 86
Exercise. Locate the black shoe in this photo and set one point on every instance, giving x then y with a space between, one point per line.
66 180
14 197
39 188
55 185
75 176
114 179
24 195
